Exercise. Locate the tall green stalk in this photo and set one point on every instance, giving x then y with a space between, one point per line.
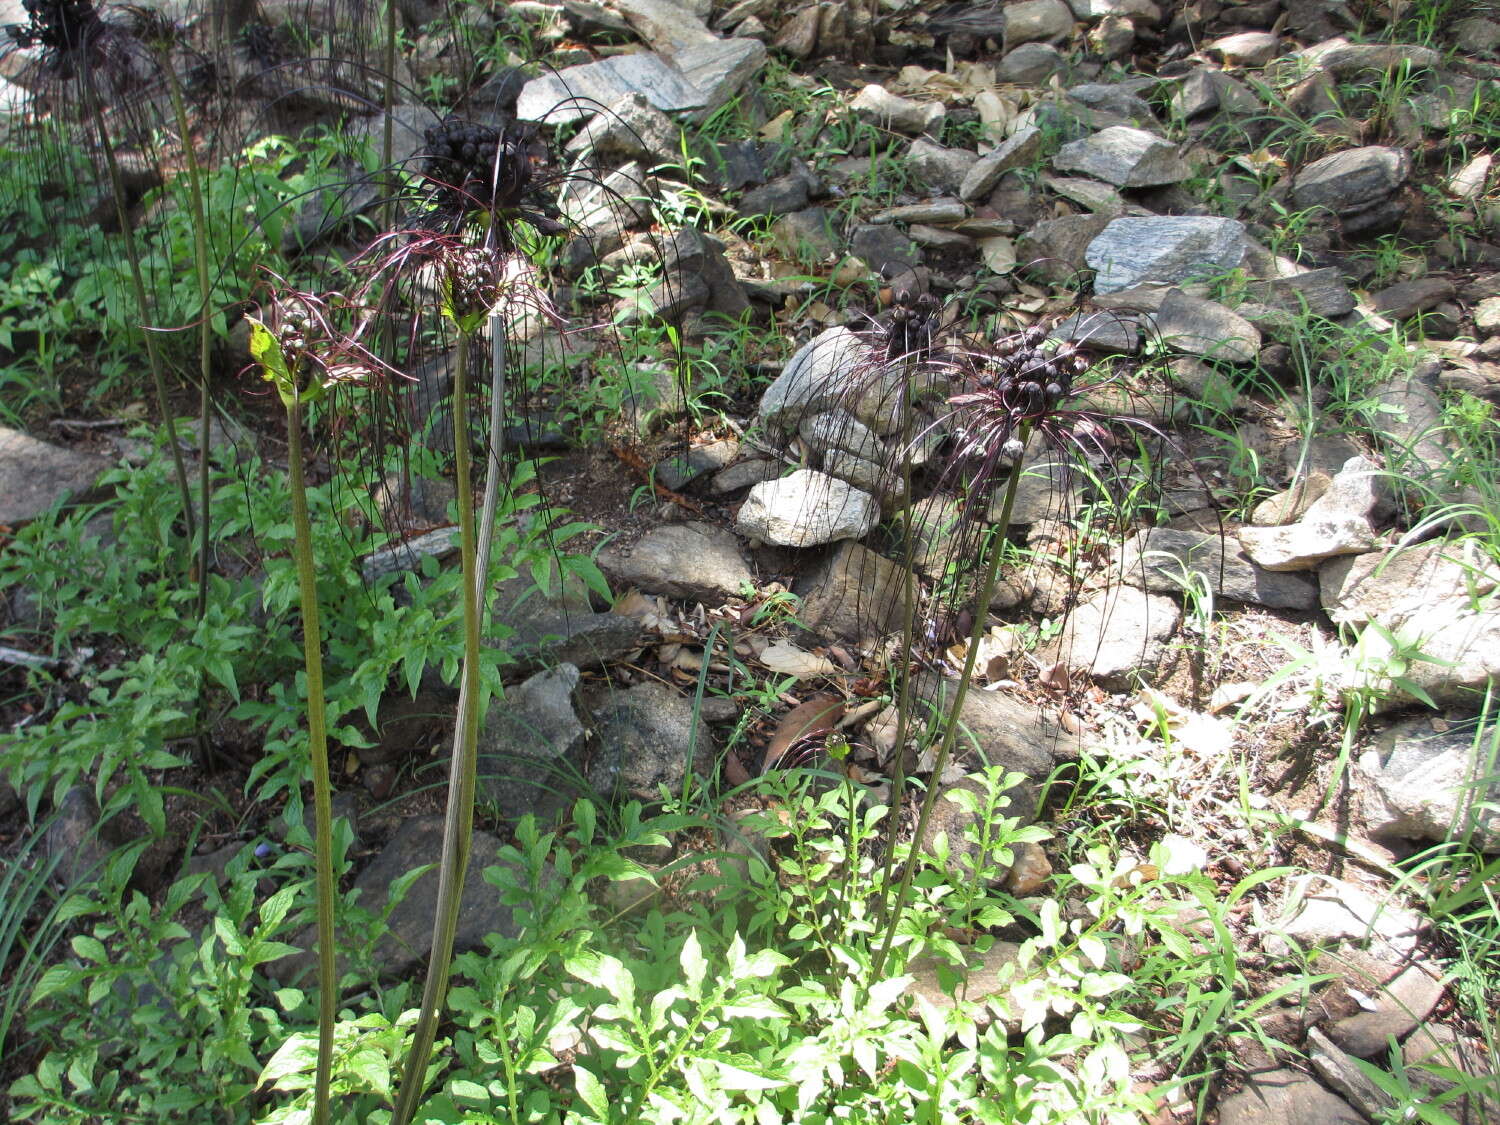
458 828
266 350
143 307
205 328
951 719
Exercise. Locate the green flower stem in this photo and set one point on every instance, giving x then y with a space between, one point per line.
205 328
138 285
458 828
312 642
908 631
951 720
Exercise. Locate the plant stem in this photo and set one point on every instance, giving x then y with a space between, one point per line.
950 721
458 828
908 629
205 329
138 285
312 641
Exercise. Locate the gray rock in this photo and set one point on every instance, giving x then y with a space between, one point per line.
781 196
798 36
648 740
1164 249
1322 911
1118 98
1353 179
1142 11
73 838
933 211
630 129
985 980
1119 635
1285 1097
1030 64
941 239
609 206
532 745
1054 249
1339 57
1419 784
881 108
1032 21
1247 48
578 91
942 169
664 25
1161 560
697 561
934 523
877 244
867 476
1112 38
1408 298
805 509
1205 328
691 254
837 429
1106 331
1019 149
1124 156
1048 489
805 234
557 628
36 476
1322 292
999 730
682 469
817 378
854 595
1400 1006
1399 585
1306 543
1341 1073
720 69
1206 89
1291 504
743 474
404 946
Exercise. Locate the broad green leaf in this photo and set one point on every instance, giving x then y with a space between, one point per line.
694 965
591 1090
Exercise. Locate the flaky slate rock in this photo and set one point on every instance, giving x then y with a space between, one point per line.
880 107
1205 328
1164 249
1124 156
1162 559
1420 784
854 595
1353 179
579 91
1054 249
1118 635
1019 149
1030 64
818 377
942 169
648 739
698 561
805 509
1286 1097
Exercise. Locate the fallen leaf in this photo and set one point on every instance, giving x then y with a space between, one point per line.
999 253
789 660
1055 676
817 716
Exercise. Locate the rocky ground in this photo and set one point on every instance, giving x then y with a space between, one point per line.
1267 226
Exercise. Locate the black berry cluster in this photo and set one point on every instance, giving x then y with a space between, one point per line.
913 326
56 25
479 164
1028 379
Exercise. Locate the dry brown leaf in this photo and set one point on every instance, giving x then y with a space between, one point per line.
789 660
1055 676
817 716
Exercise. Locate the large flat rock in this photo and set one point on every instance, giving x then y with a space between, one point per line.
36 476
